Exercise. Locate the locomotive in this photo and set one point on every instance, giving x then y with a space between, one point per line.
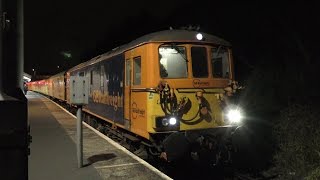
163 95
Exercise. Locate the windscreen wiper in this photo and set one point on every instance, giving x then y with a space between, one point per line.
218 50
175 47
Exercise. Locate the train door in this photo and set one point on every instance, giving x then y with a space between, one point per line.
127 93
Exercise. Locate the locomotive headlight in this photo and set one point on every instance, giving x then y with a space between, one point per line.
172 121
234 115
199 36
165 122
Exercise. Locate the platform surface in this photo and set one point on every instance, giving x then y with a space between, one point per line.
53 149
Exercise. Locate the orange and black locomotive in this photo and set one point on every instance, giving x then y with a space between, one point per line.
166 91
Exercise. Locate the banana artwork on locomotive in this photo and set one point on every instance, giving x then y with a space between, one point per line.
171 106
189 108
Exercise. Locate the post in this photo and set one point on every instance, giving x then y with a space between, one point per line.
13 49
79 137
79 96
20 46
1 59
14 136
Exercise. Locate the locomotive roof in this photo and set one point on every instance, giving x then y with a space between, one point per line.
178 36
161 36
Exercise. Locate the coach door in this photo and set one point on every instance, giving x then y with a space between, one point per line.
127 93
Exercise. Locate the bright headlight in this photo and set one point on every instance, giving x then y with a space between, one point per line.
234 115
199 36
172 121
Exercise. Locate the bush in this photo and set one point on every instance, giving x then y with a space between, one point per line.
315 174
298 136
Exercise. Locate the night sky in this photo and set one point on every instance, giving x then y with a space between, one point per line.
257 30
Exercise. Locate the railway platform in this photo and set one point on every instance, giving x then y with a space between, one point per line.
53 149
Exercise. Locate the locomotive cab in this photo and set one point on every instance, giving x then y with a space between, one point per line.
190 97
191 87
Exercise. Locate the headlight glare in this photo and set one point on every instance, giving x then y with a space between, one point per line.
199 36
172 121
234 115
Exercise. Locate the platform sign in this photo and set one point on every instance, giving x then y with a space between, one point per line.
79 95
79 90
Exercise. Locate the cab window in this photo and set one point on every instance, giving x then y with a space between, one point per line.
199 62
220 62
137 71
128 73
173 62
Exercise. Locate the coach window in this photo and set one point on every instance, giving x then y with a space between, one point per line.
173 62
220 62
91 77
137 71
101 76
81 74
199 62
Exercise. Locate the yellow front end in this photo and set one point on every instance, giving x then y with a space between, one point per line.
193 102
193 112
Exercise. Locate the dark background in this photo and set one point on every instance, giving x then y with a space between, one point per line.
257 30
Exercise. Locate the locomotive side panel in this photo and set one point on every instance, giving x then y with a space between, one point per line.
138 75
106 89
139 114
